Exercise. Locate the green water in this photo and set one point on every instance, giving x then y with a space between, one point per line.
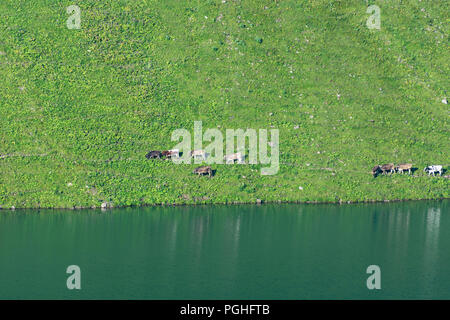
235 252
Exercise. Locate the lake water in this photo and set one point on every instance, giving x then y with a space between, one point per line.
229 252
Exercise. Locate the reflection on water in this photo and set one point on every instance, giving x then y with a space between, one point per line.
220 252
433 218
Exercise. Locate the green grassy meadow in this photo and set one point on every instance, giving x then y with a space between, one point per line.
79 109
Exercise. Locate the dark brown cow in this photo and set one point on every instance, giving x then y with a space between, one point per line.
203 170
153 155
376 170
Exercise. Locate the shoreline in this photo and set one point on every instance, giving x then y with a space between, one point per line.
233 203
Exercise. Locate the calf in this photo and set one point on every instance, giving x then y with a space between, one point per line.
153 155
387 167
433 169
231 158
203 170
404 166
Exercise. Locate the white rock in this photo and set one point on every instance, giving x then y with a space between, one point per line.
444 101
300 188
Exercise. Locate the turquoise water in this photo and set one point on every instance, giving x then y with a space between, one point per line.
229 252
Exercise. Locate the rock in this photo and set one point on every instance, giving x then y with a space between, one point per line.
13 208
444 101
258 201
300 188
106 205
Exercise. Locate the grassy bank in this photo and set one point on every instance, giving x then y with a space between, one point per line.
79 109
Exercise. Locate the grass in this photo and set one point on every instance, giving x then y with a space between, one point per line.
79 109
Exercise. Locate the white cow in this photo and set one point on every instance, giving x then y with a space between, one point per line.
231 158
198 154
433 169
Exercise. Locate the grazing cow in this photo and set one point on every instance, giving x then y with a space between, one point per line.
433 169
198 154
203 170
231 158
153 155
388 167
404 166
376 170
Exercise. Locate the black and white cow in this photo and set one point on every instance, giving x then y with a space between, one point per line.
433 169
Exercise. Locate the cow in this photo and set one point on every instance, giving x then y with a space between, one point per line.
403 167
174 153
168 154
376 170
203 170
433 169
198 154
231 158
154 155
388 167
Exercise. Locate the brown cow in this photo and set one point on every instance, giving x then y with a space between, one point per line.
388 167
404 166
203 170
169 154
166 154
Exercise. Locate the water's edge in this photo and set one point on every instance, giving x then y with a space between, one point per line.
231 203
